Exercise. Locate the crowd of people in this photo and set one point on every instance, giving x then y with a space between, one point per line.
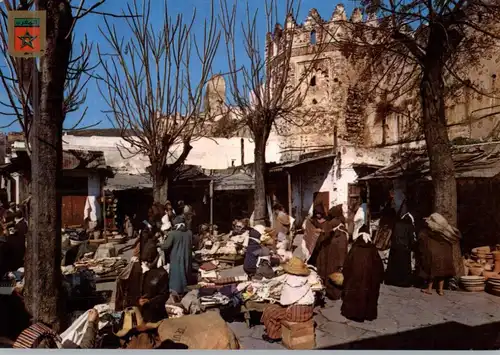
347 257
13 230
343 251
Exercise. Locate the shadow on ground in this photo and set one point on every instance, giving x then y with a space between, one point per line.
445 336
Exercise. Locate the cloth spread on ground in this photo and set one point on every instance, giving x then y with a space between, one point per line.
74 334
191 302
270 290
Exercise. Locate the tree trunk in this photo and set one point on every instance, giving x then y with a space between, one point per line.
442 169
160 189
43 255
260 208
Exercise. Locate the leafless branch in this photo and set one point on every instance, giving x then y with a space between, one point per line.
149 87
17 77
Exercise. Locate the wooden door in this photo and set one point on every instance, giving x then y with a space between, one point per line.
73 210
322 198
353 193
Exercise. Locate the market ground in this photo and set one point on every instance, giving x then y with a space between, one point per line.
407 319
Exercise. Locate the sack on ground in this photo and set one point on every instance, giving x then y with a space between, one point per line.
201 331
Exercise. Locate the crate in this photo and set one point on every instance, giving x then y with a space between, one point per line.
298 335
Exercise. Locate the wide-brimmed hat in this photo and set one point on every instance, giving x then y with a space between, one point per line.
131 319
296 267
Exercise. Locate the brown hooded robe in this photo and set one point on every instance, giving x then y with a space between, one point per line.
331 251
363 273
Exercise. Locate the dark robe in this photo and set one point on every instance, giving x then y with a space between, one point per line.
399 272
363 273
155 289
15 317
178 245
251 253
16 248
436 255
4 256
130 283
330 254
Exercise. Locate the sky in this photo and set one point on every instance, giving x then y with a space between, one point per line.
90 25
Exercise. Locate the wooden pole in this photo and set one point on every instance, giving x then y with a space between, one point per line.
368 213
289 176
211 192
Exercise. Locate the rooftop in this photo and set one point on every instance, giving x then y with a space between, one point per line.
471 161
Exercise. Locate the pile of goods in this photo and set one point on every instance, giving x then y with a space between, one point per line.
103 267
75 236
473 283
493 286
484 265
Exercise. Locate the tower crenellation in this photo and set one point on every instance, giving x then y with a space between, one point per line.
335 89
315 28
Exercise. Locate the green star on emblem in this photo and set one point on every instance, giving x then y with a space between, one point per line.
27 40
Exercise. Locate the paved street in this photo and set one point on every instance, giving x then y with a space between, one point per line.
407 319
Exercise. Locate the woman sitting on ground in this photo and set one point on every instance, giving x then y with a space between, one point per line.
296 301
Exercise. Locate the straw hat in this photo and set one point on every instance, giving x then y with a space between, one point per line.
296 267
132 319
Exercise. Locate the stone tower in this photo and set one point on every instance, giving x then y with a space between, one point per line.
215 95
336 92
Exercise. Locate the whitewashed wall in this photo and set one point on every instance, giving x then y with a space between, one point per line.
208 153
321 176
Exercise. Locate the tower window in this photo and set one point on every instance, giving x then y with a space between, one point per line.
313 37
313 81
314 101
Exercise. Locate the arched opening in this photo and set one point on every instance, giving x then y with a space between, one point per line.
314 101
313 37
313 81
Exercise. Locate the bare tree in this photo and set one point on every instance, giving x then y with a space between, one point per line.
150 89
40 93
266 90
429 51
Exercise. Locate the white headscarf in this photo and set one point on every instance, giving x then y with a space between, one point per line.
366 237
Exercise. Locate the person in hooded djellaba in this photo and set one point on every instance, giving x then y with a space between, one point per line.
363 273
403 241
436 242
178 246
331 250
